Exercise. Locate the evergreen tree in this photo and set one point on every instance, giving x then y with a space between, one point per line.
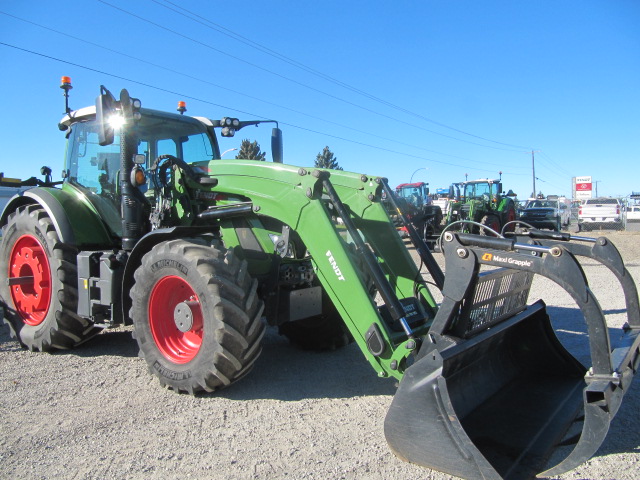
250 151
326 159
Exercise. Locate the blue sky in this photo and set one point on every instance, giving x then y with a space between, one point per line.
429 89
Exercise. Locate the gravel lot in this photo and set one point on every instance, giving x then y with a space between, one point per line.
95 412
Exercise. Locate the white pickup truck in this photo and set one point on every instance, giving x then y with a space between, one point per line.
633 213
600 213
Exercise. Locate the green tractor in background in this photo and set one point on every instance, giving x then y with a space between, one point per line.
151 228
483 203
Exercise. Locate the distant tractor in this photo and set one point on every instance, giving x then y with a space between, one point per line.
418 207
482 202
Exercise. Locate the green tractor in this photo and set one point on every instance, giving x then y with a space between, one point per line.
483 203
150 228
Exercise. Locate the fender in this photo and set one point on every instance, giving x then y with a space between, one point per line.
76 223
145 244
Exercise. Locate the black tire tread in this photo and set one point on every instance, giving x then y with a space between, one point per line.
238 312
67 330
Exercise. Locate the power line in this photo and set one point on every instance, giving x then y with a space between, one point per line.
548 183
182 95
210 24
302 84
142 60
555 164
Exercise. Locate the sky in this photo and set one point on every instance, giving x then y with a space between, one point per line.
433 91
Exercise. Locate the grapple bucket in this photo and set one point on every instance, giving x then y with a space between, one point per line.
492 391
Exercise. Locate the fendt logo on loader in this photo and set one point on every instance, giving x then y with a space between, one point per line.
334 264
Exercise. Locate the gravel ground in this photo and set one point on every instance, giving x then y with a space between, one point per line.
95 412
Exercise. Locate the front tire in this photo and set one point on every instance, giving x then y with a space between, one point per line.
196 315
41 305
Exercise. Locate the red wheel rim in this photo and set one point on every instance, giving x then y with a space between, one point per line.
175 345
32 296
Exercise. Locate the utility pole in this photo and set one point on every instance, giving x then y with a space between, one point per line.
533 170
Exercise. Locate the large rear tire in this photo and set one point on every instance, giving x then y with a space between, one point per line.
510 215
40 308
196 315
491 221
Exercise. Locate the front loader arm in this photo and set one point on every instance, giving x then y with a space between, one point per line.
299 197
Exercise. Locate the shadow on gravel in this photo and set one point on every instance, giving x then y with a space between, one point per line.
8 344
107 343
284 372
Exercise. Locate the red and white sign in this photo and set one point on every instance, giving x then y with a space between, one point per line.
583 187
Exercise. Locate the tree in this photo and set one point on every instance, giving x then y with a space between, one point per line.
250 151
326 159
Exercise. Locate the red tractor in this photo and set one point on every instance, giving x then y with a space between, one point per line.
418 207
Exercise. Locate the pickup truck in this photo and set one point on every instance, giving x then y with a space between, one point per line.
633 213
546 213
599 213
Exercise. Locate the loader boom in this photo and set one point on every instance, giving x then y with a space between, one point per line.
294 196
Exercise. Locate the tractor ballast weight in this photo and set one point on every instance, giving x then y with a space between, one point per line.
486 389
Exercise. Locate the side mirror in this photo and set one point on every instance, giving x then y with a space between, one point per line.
451 192
276 145
105 107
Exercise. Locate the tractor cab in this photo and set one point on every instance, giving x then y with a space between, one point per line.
417 194
121 157
94 169
485 190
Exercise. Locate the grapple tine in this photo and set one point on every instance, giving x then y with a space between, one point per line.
594 431
602 399
601 250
